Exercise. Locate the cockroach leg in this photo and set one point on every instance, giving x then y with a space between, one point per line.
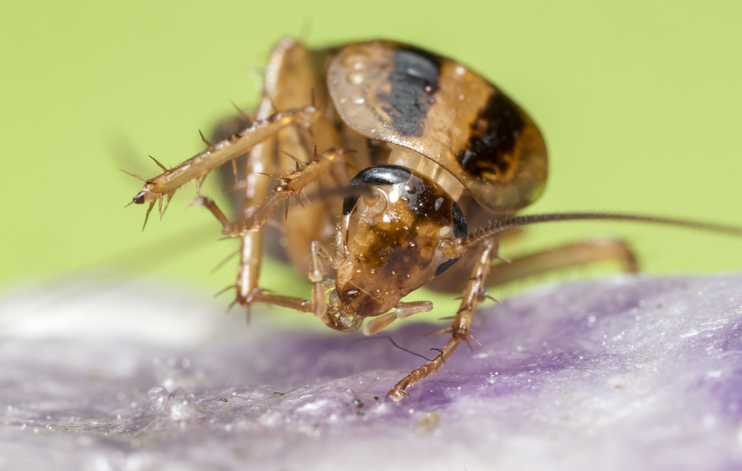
320 287
402 310
316 277
585 252
255 192
487 250
222 152
297 304
564 256
211 206
287 187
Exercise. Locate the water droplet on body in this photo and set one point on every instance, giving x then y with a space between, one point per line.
356 77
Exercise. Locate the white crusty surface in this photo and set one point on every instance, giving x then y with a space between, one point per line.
623 373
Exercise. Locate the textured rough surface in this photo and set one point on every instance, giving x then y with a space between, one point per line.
623 373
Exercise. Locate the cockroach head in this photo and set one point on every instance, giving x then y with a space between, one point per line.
395 236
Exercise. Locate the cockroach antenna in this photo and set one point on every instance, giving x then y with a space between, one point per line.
388 337
440 354
503 225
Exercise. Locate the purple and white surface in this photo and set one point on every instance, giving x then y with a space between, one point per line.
623 373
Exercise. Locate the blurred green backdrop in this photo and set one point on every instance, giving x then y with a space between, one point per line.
639 101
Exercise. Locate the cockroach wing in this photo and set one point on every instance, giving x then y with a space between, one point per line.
441 109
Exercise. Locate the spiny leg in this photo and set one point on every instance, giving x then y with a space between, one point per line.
289 186
291 76
574 254
459 330
318 304
259 160
222 152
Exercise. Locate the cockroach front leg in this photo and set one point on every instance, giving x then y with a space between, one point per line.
459 330
219 153
329 314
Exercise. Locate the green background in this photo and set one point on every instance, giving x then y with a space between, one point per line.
639 101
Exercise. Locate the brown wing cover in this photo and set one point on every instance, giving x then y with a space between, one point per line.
437 107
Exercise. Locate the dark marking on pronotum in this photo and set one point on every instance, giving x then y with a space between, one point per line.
379 175
445 265
414 83
460 229
493 137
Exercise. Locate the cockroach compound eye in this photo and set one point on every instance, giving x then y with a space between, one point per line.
402 151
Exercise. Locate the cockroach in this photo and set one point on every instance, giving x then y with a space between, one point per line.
409 150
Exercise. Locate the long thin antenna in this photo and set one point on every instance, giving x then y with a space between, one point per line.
507 224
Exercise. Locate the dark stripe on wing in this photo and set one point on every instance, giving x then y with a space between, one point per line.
493 138
414 83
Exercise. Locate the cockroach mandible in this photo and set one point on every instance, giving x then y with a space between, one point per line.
435 149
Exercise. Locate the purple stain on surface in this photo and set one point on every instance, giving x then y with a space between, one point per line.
623 373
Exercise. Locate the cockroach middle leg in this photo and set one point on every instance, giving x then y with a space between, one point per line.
290 186
459 330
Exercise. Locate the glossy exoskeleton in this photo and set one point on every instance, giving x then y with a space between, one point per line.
412 150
